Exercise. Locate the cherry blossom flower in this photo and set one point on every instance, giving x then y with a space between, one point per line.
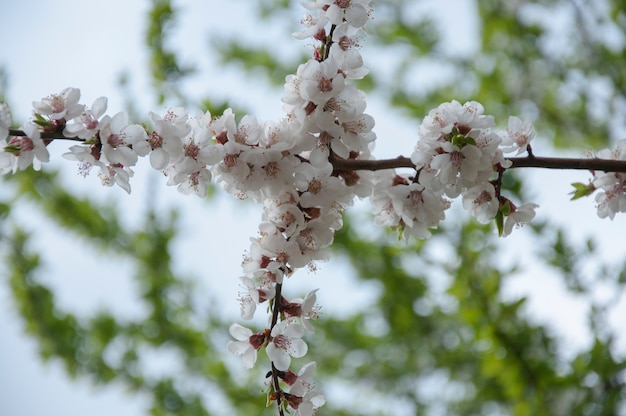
302 395
319 81
346 42
518 217
286 342
519 135
480 200
86 156
122 142
224 127
283 213
195 182
249 131
456 163
303 376
419 208
611 199
247 343
28 150
318 187
282 250
60 106
304 309
86 125
353 12
314 26
617 153
255 295
307 404
116 174
166 139
440 121
381 204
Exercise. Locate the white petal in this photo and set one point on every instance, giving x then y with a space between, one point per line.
278 356
294 331
99 107
249 358
159 159
298 348
239 347
240 333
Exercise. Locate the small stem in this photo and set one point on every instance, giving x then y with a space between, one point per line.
355 164
329 42
277 390
497 183
277 305
275 380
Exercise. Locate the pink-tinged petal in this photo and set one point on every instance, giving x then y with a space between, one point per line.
119 121
99 107
294 331
357 15
249 358
305 409
298 348
316 398
239 347
278 356
247 310
42 154
240 333
72 95
159 159
309 300
125 156
308 370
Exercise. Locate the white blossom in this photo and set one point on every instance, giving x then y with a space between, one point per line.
246 344
518 217
63 105
87 124
519 135
286 342
480 200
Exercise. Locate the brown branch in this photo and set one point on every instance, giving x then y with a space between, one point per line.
48 135
593 164
355 164
275 381
531 161
605 165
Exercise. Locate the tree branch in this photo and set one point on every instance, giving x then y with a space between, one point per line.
593 164
47 135
531 161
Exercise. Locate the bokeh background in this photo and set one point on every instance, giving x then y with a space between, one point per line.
119 304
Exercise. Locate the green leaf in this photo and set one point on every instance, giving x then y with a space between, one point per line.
582 190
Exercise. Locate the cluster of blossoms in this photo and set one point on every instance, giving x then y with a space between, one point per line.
298 168
460 152
611 186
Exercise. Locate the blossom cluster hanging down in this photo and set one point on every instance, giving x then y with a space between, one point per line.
298 168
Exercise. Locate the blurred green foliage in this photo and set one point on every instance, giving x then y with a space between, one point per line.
457 347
